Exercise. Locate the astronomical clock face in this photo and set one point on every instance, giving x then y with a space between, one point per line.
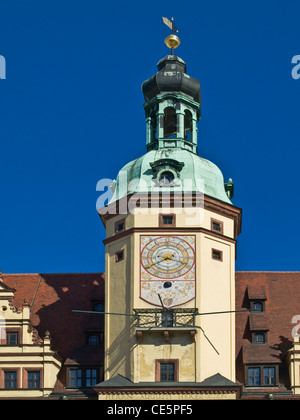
167 269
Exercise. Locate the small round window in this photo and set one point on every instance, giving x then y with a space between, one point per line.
166 177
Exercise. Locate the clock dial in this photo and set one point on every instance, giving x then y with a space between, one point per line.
168 257
168 269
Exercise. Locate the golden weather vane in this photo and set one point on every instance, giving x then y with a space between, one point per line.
172 41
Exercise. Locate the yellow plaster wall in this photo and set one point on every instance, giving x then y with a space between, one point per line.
27 354
293 362
118 299
185 218
215 292
153 348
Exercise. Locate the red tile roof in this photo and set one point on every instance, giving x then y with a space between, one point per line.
282 293
52 298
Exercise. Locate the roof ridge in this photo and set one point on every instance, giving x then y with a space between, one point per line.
266 271
59 274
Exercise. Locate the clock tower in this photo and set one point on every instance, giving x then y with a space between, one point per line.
170 249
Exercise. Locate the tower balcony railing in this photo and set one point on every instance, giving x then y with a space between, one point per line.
165 318
169 321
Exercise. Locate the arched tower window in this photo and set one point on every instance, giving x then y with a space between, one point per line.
187 125
170 123
153 126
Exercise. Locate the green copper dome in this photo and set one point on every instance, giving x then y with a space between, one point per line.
189 173
172 110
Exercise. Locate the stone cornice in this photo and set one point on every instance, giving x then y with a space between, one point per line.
173 230
193 200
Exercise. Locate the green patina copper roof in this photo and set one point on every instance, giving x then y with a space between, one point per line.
193 173
168 147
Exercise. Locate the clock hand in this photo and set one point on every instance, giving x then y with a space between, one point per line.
154 263
183 260
166 257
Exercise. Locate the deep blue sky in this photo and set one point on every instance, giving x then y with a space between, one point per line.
71 113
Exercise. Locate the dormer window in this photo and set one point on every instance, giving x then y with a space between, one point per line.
262 375
166 171
82 377
257 298
93 340
259 338
98 307
257 306
166 177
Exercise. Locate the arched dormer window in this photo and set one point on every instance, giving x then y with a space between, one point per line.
170 123
166 177
187 125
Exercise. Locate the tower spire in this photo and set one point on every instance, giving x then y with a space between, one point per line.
172 41
172 102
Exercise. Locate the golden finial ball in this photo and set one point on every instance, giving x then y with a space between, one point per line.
172 41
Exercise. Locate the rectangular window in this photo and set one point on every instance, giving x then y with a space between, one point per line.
119 256
91 377
75 378
167 372
217 226
34 379
257 306
217 255
167 220
83 377
269 375
12 338
10 379
254 376
120 226
93 339
99 307
261 376
259 338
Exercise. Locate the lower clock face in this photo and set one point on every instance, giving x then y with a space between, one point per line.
168 269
